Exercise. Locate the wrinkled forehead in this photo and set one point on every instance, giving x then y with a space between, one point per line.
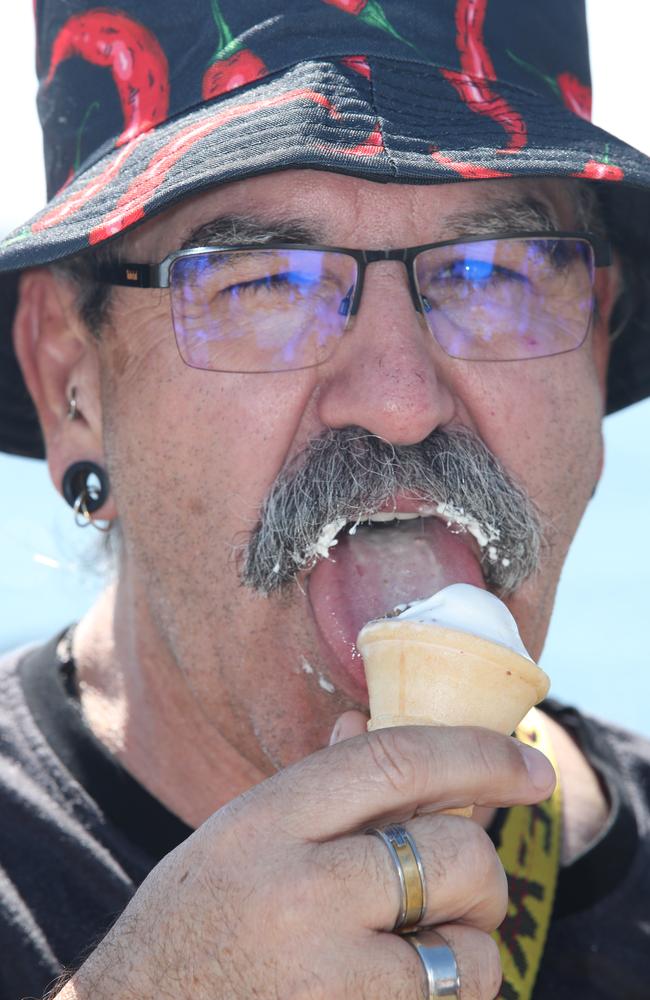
322 207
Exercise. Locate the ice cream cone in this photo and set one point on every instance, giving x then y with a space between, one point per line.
422 674
427 674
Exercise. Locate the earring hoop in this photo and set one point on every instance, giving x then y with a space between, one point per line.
86 488
83 517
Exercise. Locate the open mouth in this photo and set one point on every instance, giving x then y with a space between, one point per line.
365 568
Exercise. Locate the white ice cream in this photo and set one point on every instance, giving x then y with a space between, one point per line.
467 609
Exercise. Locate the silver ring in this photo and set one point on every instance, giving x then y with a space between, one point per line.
408 865
439 964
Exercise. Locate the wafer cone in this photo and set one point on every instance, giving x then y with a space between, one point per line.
423 674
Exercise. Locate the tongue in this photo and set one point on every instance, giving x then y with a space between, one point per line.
370 572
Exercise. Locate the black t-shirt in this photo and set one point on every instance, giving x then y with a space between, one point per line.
78 835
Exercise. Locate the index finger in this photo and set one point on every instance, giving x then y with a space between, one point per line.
394 771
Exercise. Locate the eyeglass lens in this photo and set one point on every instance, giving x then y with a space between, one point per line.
278 310
260 310
507 300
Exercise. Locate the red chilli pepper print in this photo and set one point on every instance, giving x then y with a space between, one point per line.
595 170
372 13
349 6
576 96
133 55
130 207
229 74
477 68
77 200
233 66
359 64
470 171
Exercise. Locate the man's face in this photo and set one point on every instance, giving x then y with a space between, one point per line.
193 454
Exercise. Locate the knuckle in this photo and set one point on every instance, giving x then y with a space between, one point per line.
392 756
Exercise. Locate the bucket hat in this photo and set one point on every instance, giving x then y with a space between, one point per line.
146 103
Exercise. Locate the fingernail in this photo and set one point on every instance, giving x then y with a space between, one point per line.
539 767
336 733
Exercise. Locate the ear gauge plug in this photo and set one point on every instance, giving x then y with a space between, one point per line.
86 487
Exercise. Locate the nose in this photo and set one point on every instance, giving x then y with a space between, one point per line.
387 373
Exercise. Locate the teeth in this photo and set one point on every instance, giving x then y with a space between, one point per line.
394 516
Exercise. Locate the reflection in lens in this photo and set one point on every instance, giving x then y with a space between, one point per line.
505 300
260 310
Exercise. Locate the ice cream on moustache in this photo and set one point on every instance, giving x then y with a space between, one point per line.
454 659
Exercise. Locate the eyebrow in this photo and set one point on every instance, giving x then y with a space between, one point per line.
228 230
523 214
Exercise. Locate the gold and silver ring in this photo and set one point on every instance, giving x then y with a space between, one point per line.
408 866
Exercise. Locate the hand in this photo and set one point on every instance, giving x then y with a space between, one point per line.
281 896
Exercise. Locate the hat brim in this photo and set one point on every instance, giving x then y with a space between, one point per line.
406 125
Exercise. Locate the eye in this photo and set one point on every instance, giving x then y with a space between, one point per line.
294 281
475 271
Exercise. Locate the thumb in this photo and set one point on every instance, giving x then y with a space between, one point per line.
347 725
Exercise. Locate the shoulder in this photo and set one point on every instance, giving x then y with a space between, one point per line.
16 727
35 788
57 853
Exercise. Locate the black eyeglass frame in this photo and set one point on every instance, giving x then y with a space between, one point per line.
157 275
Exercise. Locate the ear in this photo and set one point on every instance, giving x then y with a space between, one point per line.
56 353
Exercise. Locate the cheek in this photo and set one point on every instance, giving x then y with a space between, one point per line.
190 442
192 455
543 422
545 427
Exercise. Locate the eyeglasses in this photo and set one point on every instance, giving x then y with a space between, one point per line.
284 307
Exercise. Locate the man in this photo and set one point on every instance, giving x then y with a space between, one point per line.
310 357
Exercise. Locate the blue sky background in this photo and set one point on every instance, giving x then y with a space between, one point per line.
597 649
